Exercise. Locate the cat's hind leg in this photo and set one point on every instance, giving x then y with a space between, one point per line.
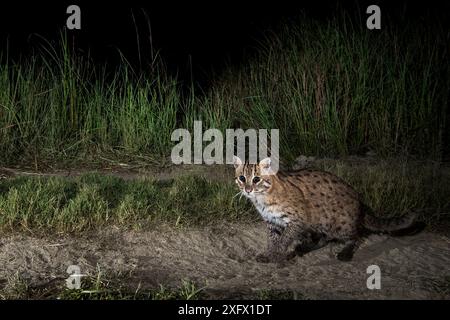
310 241
350 246
279 240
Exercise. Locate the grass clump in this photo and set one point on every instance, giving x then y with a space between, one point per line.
98 286
390 188
396 187
92 201
336 88
59 104
101 287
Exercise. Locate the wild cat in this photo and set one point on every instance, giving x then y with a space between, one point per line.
309 207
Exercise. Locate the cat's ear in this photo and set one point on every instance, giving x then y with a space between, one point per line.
265 166
236 161
265 163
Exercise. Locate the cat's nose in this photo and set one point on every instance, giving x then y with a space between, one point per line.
248 189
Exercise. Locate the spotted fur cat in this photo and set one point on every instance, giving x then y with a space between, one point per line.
309 207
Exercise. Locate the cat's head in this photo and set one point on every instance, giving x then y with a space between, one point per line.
253 179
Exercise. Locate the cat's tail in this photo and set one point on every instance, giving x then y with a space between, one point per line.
404 225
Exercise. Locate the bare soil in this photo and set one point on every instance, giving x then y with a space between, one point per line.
221 259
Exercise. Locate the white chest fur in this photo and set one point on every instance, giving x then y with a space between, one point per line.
268 215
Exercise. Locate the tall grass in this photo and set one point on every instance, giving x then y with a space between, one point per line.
58 104
331 88
338 89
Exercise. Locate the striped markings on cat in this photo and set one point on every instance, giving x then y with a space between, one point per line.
213 152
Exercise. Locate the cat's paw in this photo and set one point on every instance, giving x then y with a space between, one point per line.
274 257
263 258
344 256
291 255
300 251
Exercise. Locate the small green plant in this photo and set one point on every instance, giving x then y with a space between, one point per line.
189 291
16 287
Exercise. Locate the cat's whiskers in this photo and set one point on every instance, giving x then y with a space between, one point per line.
239 193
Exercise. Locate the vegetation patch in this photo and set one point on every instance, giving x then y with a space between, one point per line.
90 201
331 88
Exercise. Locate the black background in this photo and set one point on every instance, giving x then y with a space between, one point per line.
193 38
279 310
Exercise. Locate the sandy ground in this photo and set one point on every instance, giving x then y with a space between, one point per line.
222 260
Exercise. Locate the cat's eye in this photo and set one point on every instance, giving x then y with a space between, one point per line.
242 178
256 179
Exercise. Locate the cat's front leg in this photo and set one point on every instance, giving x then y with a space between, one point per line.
279 239
273 250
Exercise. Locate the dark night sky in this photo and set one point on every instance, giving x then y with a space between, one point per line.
206 33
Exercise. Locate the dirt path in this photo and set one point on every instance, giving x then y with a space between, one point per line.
222 260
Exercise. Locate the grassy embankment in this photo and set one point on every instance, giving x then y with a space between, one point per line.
332 89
